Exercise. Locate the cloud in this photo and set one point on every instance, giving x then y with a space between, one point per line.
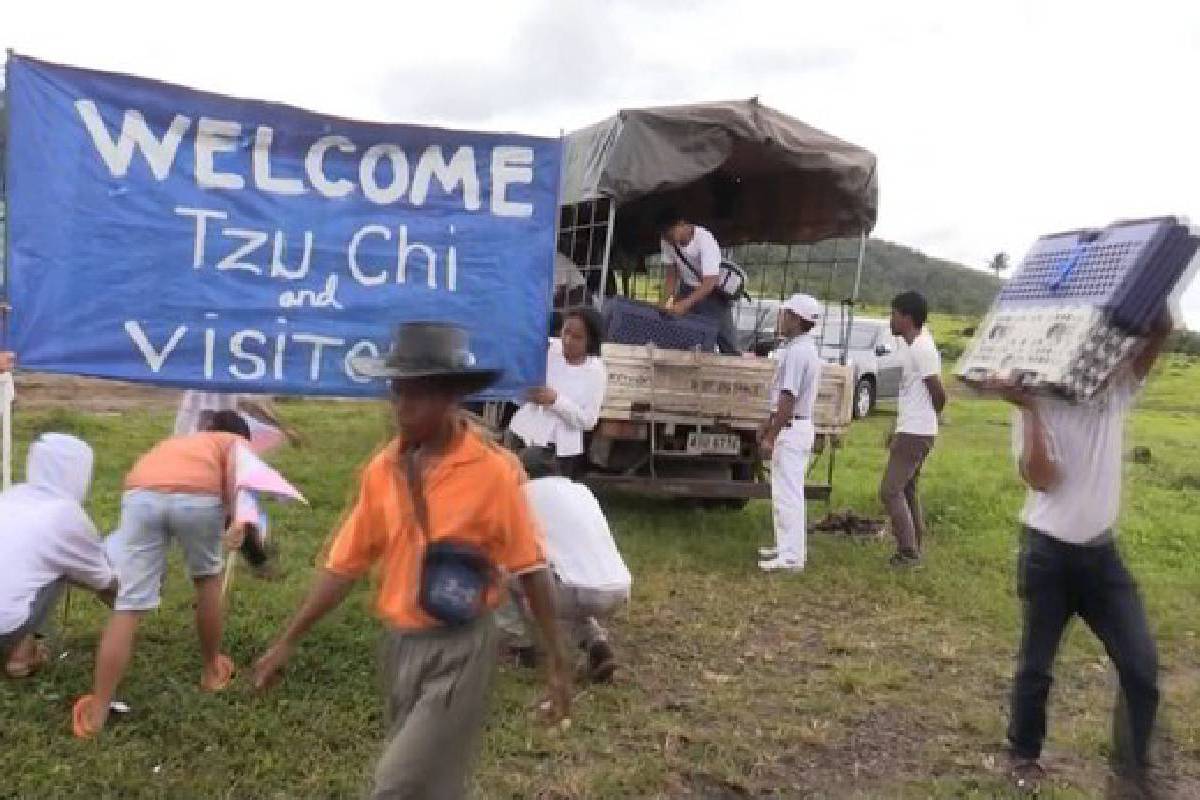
590 62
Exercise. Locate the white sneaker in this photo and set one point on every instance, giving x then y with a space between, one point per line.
780 565
767 553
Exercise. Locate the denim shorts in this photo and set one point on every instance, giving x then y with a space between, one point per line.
138 549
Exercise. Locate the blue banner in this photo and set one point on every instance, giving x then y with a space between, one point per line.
164 235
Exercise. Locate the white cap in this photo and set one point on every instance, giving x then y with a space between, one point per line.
804 306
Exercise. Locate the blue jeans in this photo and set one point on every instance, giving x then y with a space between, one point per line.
138 550
1056 581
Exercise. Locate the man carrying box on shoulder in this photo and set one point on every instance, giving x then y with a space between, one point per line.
1069 455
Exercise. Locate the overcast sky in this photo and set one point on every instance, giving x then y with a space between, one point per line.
993 122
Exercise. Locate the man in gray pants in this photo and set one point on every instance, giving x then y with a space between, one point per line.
441 512
922 398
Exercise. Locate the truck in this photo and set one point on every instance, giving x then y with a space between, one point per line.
791 203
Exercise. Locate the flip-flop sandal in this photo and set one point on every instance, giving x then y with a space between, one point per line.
225 670
81 724
18 670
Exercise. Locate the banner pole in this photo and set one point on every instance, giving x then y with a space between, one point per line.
7 392
8 388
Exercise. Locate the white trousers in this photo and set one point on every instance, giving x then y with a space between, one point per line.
789 463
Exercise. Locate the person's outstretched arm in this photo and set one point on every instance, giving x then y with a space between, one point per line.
536 586
327 593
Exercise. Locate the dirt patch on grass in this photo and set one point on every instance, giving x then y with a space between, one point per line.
49 392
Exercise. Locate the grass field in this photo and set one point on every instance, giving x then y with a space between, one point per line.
848 680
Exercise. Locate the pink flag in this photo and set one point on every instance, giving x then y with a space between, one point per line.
253 474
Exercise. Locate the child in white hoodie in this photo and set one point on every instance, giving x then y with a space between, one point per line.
48 542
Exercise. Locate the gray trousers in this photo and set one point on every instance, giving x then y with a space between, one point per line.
898 491
436 688
40 613
719 311
579 611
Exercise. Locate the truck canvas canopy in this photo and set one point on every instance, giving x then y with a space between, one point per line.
751 173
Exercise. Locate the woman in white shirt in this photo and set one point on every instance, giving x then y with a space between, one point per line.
559 413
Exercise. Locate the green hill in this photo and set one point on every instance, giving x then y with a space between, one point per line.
950 287
826 270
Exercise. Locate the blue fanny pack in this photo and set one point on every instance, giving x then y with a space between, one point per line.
455 578
455 575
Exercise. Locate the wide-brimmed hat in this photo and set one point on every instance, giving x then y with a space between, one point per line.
436 351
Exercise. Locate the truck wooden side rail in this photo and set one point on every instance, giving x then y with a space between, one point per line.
684 424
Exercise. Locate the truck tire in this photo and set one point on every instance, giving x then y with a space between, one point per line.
864 397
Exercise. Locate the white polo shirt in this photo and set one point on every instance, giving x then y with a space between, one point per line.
798 372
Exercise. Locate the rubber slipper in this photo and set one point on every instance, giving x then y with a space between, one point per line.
225 670
81 724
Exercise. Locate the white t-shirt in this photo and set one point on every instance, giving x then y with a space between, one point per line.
1086 441
46 533
580 390
579 544
919 360
798 373
702 252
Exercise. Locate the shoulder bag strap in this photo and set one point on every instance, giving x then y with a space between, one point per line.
416 491
688 264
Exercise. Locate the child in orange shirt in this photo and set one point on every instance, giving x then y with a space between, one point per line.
182 489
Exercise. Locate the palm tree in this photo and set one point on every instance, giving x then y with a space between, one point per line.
999 263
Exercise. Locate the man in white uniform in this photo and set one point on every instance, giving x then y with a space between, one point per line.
1069 455
693 259
922 398
787 436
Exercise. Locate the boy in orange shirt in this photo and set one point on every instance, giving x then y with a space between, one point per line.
441 512
182 489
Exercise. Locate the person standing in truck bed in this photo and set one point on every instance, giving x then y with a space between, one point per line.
693 266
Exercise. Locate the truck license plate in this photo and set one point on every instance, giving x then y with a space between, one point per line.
721 444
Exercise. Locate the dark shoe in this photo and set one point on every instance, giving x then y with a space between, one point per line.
1027 774
904 560
602 663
